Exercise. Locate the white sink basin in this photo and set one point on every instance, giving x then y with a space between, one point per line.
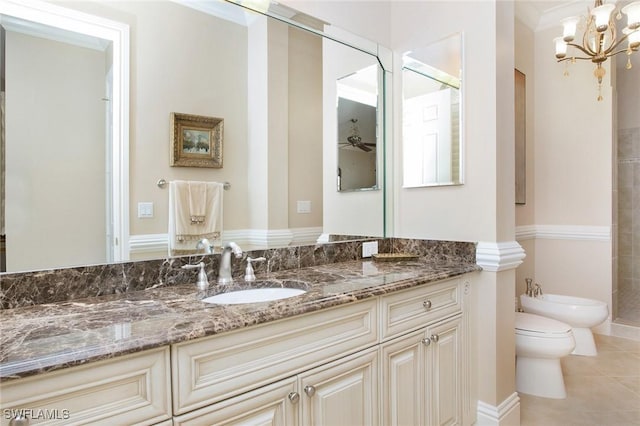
254 295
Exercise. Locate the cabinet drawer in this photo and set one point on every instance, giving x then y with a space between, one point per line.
268 405
411 309
211 369
132 389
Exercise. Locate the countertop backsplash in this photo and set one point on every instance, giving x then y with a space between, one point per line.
59 285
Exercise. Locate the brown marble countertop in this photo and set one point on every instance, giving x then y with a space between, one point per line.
47 337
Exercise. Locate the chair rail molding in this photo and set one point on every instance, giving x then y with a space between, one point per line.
564 232
261 237
499 256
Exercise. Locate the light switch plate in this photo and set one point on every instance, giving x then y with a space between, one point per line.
369 248
304 207
145 210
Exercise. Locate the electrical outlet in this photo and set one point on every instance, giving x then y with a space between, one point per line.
369 248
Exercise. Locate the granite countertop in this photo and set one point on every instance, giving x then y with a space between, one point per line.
47 337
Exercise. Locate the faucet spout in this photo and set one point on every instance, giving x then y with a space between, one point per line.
205 245
224 273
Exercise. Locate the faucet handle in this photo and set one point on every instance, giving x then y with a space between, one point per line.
203 281
249 275
537 291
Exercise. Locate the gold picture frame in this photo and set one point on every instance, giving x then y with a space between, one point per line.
196 141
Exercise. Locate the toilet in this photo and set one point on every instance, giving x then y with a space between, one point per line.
580 313
540 343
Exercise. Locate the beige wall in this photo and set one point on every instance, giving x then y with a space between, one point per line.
569 173
55 172
305 141
175 68
525 214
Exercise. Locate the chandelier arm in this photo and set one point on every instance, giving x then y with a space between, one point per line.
586 48
570 58
620 51
587 52
616 44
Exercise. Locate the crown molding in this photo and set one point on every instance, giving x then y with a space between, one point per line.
539 19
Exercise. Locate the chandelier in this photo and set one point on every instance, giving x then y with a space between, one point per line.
600 38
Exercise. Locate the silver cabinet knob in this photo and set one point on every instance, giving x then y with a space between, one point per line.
294 397
19 420
435 338
310 390
427 304
426 341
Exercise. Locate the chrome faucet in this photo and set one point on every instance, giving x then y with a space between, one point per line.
537 291
224 273
206 245
529 282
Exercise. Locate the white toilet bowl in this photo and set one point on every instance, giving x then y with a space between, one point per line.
540 343
581 314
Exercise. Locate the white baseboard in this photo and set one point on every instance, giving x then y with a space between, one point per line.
506 413
563 232
616 329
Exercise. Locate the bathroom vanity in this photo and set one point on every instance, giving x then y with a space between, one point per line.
368 343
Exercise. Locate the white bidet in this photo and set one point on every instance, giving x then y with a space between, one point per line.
580 313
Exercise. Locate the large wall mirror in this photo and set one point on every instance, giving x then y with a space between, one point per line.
432 142
78 184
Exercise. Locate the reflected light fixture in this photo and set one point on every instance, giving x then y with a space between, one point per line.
600 39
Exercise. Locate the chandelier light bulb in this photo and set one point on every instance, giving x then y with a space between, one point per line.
569 27
632 10
601 15
561 47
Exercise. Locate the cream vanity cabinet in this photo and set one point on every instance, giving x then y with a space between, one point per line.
422 356
132 389
317 368
394 359
341 392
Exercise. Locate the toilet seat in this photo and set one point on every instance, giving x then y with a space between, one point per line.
538 326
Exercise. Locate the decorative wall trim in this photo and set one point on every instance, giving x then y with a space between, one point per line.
492 256
564 232
256 237
506 413
148 243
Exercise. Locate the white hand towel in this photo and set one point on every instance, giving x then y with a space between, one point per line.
197 201
185 233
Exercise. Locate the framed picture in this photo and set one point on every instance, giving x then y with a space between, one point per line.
196 141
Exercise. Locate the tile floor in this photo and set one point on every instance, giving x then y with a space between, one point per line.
601 391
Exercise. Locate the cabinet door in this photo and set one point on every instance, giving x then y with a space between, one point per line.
444 374
344 392
403 377
273 405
